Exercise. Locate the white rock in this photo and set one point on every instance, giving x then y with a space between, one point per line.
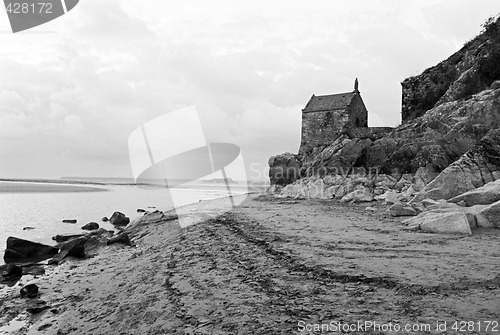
484 195
361 194
445 223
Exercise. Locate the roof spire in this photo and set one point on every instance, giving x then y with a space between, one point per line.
356 84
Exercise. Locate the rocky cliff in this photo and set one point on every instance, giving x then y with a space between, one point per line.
468 71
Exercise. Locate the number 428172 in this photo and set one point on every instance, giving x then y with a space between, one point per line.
25 8
469 326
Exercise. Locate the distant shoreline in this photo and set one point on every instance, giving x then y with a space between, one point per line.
43 187
251 185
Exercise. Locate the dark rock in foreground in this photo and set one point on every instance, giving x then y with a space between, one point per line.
122 238
10 270
19 250
74 247
66 237
29 291
284 169
33 269
119 219
69 220
91 226
105 219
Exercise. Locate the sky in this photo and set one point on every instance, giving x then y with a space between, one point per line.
73 90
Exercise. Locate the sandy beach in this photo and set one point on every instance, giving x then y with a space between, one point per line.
269 266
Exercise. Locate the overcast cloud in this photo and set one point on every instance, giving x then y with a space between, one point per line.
72 90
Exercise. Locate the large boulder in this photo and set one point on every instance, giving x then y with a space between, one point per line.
74 248
119 219
445 223
400 209
484 195
478 166
488 216
21 251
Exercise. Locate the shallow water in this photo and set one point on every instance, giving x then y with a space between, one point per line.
44 211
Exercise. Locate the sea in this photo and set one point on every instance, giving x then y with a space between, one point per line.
35 210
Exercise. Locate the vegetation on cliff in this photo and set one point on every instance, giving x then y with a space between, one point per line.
468 71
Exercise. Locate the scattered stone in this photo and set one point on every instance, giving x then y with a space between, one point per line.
360 195
105 219
91 226
10 270
19 250
462 203
399 209
391 197
140 210
69 220
29 291
74 248
119 219
33 269
370 209
122 238
38 309
44 326
28 228
101 232
66 237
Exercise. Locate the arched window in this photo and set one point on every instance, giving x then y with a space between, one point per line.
357 123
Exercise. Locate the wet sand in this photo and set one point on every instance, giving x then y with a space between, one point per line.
271 266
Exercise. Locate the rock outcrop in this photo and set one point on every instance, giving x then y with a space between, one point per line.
19 250
469 71
484 195
284 169
474 169
422 148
